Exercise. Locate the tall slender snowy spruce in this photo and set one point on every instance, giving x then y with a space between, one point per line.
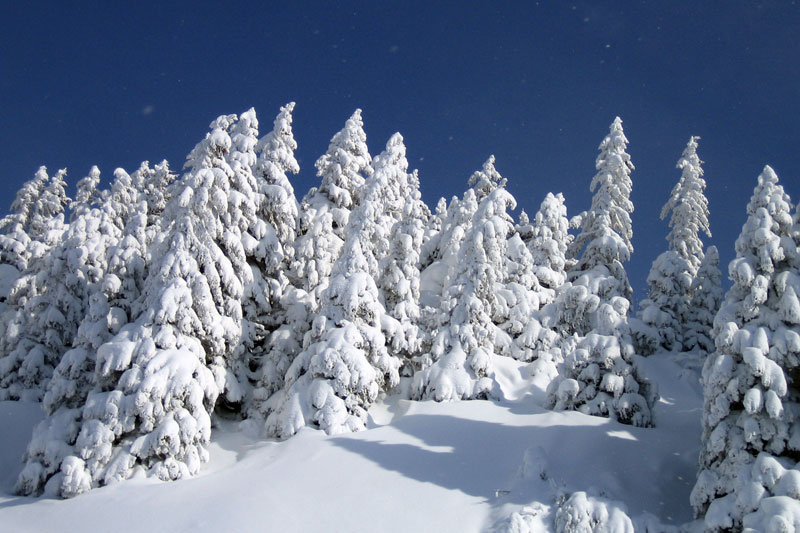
671 277
459 365
15 226
751 437
325 210
599 375
158 378
398 275
276 311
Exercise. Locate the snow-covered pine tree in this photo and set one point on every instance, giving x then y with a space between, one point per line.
486 180
156 185
751 435
47 217
599 375
387 191
345 363
15 229
44 302
325 210
440 252
159 378
544 244
86 194
275 311
524 227
459 365
54 438
673 272
606 231
332 383
706 297
276 158
399 277
549 240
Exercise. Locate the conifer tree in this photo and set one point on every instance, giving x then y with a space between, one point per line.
399 277
549 240
276 312
347 332
159 377
15 229
45 300
460 362
706 297
605 233
343 170
673 272
54 438
545 242
599 375
750 431
276 158
332 383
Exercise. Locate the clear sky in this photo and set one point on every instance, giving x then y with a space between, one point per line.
535 83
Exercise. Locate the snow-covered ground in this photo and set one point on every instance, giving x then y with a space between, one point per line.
420 466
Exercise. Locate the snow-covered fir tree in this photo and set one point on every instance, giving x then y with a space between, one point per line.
459 365
706 297
157 185
399 278
325 210
599 375
540 265
15 232
159 378
673 272
332 383
275 311
95 236
549 240
605 230
347 332
276 159
751 436
46 301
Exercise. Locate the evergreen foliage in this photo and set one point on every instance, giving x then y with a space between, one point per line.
166 301
599 375
750 432
672 276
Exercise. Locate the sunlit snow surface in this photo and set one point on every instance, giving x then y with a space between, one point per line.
420 466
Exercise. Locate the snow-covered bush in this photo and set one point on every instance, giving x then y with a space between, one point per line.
582 513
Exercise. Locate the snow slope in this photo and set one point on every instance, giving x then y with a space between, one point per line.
420 466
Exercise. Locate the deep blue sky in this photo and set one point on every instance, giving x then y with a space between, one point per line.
535 83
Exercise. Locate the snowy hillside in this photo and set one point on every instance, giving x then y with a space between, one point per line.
420 466
287 356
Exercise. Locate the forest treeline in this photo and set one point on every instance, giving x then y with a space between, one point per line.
138 313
